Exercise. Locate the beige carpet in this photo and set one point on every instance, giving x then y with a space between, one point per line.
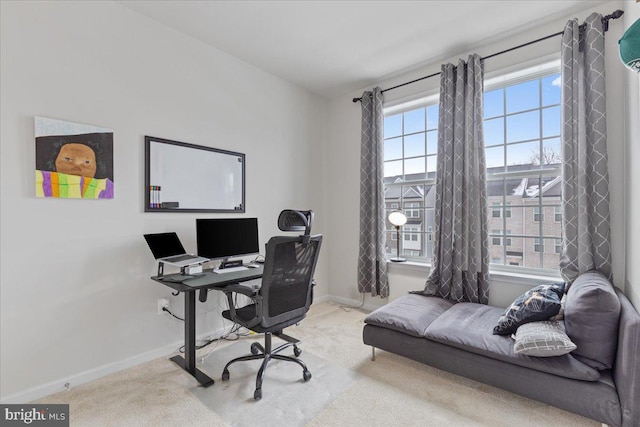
286 397
392 391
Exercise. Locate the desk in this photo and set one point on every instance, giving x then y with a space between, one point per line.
206 280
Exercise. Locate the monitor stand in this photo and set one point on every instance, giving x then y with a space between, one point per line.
160 269
226 263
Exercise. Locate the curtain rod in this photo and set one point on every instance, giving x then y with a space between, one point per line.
605 20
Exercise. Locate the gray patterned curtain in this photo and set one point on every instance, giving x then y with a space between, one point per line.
585 185
372 262
460 263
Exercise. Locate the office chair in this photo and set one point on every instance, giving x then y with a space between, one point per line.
284 297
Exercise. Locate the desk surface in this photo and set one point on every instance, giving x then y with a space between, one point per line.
208 279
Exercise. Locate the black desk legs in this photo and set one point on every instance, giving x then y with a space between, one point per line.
188 363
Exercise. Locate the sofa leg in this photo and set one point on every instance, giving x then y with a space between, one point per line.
373 353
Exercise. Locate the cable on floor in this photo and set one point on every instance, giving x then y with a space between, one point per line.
348 308
234 334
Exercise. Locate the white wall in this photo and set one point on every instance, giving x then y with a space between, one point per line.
76 298
83 304
343 150
632 140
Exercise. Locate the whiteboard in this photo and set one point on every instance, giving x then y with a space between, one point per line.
182 177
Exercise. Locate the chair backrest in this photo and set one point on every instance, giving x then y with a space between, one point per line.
295 220
290 262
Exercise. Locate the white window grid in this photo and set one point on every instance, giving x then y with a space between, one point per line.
545 171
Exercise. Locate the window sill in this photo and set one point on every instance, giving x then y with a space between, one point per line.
496 275
417 266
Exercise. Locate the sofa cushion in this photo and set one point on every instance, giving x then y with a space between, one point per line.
591 315
468 326
410 314
542 339
539 303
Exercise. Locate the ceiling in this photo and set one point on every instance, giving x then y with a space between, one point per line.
335 47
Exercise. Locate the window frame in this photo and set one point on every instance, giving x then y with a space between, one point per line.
536 69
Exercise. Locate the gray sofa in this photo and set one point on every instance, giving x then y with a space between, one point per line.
458 338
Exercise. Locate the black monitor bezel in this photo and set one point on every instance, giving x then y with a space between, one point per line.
222 221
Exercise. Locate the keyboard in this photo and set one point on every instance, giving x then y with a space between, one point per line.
230 269
179 258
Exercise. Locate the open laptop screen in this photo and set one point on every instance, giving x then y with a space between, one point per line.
164 244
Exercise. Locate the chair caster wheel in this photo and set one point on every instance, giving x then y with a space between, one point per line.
256 348
306 375
296 351
257 395
225 375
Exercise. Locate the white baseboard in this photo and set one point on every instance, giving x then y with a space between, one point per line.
58 385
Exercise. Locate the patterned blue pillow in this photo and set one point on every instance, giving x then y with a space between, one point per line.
539 303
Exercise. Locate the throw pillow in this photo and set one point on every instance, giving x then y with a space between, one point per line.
539 303
560 315
542 339
591 317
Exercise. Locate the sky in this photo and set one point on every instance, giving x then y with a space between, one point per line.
520 120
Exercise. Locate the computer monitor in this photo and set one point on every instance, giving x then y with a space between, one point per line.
223 238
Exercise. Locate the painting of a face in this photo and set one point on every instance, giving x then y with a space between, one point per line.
76 159
73 160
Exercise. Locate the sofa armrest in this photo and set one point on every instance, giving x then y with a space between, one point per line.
626 372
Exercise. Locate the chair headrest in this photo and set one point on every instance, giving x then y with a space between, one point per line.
295 220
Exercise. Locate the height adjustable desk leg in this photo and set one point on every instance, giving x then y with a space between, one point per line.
188 363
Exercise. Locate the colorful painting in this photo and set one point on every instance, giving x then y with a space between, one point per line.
73 161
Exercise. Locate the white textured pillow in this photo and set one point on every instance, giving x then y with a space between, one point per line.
542 339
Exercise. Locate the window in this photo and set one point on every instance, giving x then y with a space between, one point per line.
495 210
507 210
495 238
537 245
394 206
522 123
558 246
409 234
412 210
410 152
557 213
538 215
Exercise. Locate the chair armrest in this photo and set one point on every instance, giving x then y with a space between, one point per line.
237 288
240 289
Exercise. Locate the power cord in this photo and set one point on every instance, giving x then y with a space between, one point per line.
348 308
169 311
234 334
226 337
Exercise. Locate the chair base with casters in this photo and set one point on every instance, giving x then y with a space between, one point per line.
267 353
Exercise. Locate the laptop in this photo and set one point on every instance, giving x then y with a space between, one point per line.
167 248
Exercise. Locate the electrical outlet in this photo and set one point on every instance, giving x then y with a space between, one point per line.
162 302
